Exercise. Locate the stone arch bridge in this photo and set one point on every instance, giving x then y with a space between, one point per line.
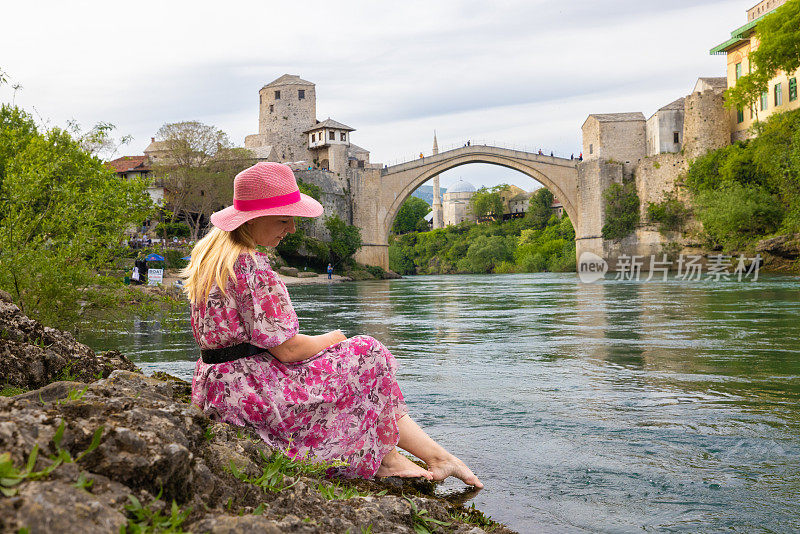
378 193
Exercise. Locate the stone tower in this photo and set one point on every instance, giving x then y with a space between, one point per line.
438 216
287 108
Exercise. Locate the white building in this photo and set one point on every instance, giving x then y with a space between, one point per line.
455 206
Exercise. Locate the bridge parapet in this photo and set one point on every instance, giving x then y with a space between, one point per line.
479 150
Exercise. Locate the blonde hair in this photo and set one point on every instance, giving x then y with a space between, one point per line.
212 261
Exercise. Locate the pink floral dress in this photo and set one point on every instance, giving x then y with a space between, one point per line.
341 404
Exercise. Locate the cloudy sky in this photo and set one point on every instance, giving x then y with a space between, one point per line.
511 73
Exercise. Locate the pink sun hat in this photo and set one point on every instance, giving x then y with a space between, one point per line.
265 189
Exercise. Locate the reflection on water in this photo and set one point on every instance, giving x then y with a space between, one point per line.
616 406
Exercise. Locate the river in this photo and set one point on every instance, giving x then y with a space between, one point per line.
618 406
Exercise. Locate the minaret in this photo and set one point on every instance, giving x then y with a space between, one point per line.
438 216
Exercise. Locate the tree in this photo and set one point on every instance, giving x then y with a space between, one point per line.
485 252
345 239
197 169
488 202
621 210
778 37
409 215
63 215
540 208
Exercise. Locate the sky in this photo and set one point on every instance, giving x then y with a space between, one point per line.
520 74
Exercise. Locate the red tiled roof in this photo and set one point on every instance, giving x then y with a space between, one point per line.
129 163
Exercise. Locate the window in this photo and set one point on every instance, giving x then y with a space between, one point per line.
740 115
738 70
301 94
344 136
271 108
676 137
764 100
332 136
792 89
260 99
313 138
778 94
591 148
277 95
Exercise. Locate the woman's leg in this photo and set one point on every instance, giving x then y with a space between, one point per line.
440 463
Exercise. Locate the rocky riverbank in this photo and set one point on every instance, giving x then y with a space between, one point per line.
88 443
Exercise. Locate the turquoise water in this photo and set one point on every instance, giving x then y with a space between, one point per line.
617 406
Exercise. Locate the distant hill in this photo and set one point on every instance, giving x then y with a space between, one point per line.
425 192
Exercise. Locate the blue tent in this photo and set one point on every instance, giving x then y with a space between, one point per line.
187 258
154 257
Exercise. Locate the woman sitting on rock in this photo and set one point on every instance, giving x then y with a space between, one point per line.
324 397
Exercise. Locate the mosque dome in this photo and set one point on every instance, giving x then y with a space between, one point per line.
461 186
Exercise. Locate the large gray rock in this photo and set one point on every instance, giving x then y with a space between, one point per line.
153 443
34 355
157 448
783 246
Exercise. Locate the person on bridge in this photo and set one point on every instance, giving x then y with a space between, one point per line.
325 397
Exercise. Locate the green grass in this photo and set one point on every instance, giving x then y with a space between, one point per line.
277 466
338 491
11 476
421 522
11 391
473 516
143 520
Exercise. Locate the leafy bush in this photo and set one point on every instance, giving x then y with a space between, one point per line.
751 189
410 216
63 215
621 210
735 214
484 252
670 214
481 248
345 239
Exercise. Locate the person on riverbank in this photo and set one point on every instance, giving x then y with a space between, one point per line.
325 397
330 271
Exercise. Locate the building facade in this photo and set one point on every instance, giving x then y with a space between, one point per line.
781 94
455 206
664 129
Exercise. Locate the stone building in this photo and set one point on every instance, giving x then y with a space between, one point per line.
455 206
618 137
519 203
328 142
782 92
665 129
287 108
132 167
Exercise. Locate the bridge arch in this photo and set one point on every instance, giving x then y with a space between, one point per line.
394 185
429 173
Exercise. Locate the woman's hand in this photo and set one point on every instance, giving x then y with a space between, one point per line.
302 347
336 337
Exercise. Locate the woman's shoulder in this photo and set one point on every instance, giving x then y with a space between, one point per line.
249 263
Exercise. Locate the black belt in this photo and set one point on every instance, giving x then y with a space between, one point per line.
228 354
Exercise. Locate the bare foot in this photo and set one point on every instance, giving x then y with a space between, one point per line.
395 464
452 466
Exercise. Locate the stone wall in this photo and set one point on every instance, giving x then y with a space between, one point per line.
624 141
283 120
334 197
706 124
656 176
661 128
594 177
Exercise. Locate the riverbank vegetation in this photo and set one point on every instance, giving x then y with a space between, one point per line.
750 190
63 215
539 241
